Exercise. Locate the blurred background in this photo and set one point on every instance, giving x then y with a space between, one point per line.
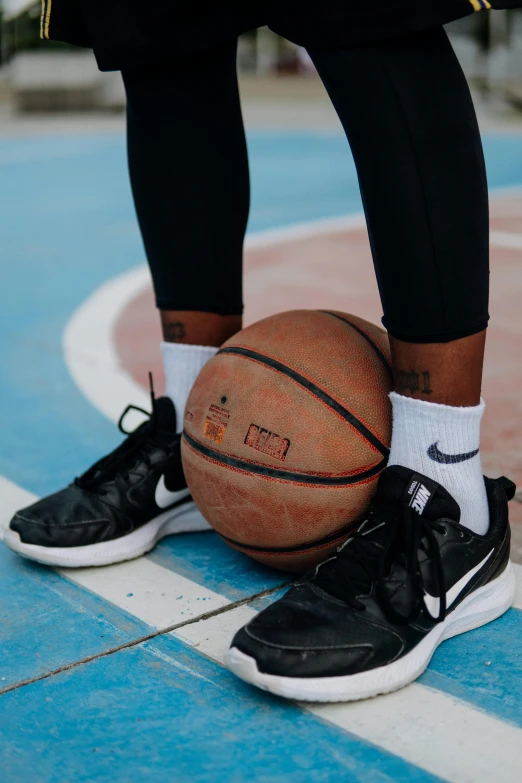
43 76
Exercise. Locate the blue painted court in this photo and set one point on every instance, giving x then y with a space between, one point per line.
115 674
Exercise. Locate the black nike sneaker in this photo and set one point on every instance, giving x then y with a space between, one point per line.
368 620
120 508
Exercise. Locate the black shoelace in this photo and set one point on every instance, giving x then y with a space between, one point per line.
118 464
386 537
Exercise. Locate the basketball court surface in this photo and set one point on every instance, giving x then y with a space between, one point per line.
115 674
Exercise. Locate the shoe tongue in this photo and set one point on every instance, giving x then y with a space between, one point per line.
403 487
165 414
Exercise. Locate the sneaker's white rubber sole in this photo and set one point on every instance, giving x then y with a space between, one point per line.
483 605
183 519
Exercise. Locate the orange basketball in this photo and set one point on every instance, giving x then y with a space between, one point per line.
286 431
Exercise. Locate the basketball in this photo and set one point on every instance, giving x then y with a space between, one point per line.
286 431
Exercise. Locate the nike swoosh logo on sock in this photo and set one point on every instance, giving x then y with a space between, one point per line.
433 602
165 498
437 455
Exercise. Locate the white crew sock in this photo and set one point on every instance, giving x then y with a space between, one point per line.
424 437
183 364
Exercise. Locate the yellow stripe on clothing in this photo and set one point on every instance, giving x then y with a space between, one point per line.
45 18
481 6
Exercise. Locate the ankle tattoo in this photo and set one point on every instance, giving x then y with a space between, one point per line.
413 382
174 332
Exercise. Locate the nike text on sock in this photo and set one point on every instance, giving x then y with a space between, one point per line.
183 364
442 442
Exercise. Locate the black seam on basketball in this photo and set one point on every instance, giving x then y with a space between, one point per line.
315 390
250 462
285 475
366 337
288 550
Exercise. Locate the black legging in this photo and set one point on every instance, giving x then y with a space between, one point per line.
408 115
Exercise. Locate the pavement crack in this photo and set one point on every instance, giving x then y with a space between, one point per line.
142 639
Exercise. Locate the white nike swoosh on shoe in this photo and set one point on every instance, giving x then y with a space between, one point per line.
433 602
165 498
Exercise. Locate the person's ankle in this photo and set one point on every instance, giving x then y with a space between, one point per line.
191 327
442 443
182 364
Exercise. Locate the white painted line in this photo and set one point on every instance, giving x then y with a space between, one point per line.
506 239
436 732
212 637
518 586
104 580
505 191
313 228
154 594
116 581
12 499
88 341
426 727
89 348
177 665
